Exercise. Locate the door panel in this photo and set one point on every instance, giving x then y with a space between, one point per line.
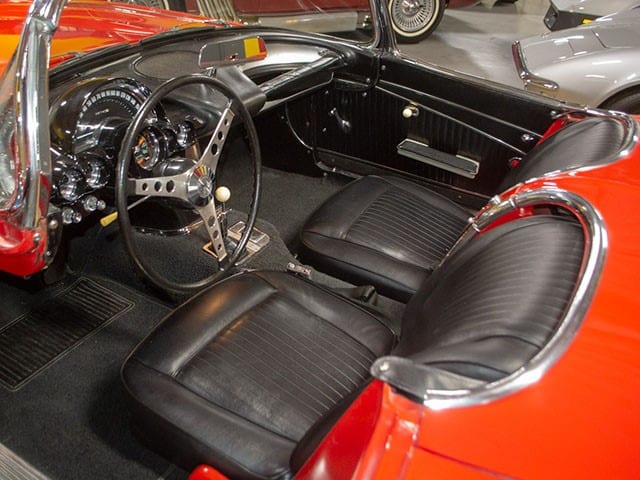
357 128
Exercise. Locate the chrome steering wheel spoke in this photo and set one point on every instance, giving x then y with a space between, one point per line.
209 216
212 152
174 186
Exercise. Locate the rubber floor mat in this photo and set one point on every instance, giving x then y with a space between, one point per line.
37 339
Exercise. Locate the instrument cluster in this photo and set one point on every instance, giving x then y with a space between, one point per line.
88 124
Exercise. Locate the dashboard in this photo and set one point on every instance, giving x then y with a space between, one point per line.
88 123
93 107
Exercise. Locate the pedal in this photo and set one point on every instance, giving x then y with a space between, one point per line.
300 270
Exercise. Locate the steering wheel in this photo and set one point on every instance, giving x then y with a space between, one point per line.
194 186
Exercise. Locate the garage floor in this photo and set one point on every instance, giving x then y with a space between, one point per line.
477 40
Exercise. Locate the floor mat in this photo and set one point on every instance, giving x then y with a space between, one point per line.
37 339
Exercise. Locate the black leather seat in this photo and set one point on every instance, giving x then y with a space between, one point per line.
391 233
237 376
251 374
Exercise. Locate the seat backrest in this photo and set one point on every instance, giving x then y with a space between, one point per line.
589 142
495 302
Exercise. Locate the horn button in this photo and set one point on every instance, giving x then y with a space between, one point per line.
200 186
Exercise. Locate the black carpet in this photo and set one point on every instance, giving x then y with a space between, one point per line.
288 199
37 339
71 421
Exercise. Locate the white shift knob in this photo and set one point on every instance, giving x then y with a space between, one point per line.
223 194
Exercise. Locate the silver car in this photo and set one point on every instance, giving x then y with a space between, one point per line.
572 13
597 65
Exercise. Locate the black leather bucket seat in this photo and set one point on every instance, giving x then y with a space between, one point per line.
250 375
391 233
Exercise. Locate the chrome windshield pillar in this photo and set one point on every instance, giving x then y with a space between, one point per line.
25 109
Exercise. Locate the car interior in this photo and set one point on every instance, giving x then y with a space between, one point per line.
242 249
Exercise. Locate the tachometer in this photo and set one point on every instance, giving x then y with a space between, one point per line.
150 148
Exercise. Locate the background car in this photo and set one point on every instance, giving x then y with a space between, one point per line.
571 13
596 64
412 20
415 20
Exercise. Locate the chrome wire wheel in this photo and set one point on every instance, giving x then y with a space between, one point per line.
413 20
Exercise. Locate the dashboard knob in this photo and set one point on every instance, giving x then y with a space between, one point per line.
223 194
71 185
90 203
69 215
96 172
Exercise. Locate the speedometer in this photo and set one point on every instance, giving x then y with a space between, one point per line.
110 104
106 113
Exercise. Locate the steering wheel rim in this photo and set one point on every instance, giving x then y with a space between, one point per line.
208 159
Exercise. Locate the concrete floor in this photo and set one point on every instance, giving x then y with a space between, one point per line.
477 40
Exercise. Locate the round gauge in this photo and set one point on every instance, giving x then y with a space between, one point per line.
106 112
150 148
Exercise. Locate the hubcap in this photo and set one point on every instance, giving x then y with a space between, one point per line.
410 7
412 15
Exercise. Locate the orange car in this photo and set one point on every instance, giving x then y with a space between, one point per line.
90 24
241 251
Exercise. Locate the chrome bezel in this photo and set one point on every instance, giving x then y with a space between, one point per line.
412 378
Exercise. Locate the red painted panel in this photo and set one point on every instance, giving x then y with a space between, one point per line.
338 455
205 472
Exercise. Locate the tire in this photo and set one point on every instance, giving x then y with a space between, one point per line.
415 20
627 101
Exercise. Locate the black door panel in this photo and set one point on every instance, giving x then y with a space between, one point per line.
457 116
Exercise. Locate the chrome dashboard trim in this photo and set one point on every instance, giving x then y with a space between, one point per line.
396 372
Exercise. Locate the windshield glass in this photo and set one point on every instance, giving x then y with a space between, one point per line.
87 25
349 19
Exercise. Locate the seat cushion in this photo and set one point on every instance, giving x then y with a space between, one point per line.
383 231
240 374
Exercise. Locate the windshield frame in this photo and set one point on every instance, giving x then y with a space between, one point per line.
27 73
